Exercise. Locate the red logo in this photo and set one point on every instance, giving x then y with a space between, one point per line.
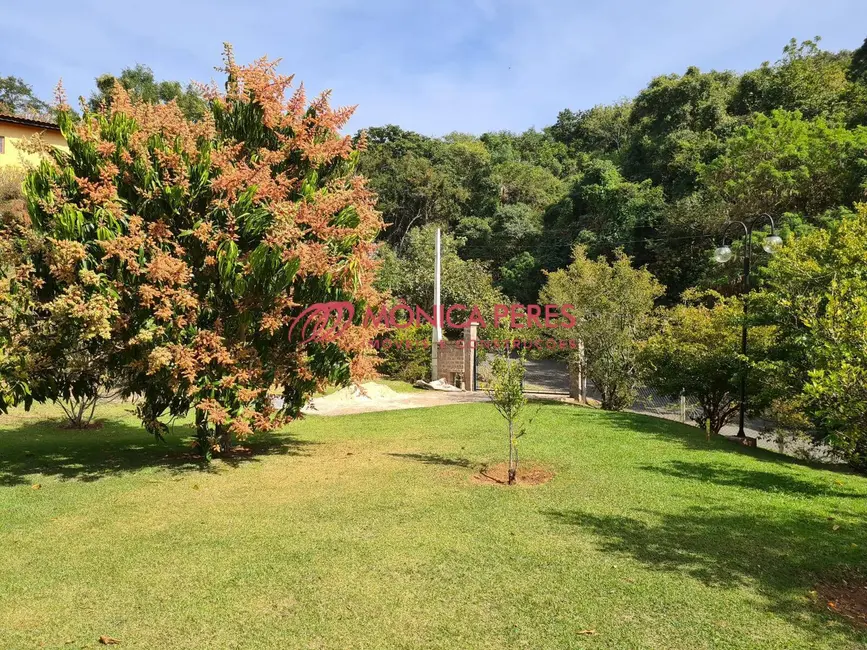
324 321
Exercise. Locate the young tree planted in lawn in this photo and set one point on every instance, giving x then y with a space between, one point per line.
613 308
49 350
696 352
506 390
189 248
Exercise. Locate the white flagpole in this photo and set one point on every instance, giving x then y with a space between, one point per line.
437 330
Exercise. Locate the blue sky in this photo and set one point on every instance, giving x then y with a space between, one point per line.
434 66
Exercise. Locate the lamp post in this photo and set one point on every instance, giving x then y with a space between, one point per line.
722 255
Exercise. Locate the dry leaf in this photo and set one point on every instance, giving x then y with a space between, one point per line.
37 486
107 640
588 632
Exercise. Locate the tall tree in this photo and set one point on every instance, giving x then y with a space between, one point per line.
414 183
190 248
816 294
17 98
605 212
141 85
807 79
785 163
409 276
613 311
695 352
678 122
602 130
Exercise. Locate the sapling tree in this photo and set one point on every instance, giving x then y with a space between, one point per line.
187 249
49 349
506 392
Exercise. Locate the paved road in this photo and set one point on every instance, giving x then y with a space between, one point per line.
540 376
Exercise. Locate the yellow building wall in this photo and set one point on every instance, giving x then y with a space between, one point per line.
14 133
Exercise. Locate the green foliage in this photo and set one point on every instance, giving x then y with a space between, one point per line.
506 390
514 229
520 276
404 355
602 130
784 163
46 350
613 308
141 84
696 351
807 79
656 175
680 256
679 122
14 360
413 179
525 183
539 148
858 66
17 98
410 276
816 291
605 212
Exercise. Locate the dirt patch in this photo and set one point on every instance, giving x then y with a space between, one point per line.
376 397
848 598
527 475
367 392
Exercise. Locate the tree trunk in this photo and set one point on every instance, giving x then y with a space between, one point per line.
224 436
513 461
203 438
79 411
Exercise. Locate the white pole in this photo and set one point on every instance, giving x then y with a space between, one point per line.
437 330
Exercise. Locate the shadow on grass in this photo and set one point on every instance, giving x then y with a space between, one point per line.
436 459
773 482
783 554
117 448
693 438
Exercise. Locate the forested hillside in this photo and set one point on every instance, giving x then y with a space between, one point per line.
656 175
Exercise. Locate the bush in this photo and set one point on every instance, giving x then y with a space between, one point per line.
816 293
403 354
697 352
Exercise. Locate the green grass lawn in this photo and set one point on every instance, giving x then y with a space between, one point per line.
366 531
